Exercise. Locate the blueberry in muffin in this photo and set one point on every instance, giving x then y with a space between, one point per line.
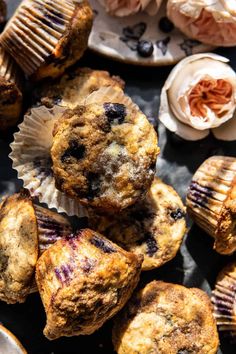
104 154
153 227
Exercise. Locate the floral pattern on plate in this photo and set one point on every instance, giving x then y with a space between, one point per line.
118 38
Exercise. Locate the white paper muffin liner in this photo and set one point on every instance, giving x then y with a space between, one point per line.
111 95
31 159
31 151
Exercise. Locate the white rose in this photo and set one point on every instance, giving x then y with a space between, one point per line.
199 95
128 7
209 21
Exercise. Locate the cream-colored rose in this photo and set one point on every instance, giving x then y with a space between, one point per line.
198 95
128 7
209 21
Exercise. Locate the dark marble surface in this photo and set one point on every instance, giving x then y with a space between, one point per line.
195 265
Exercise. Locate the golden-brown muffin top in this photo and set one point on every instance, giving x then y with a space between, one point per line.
71 89
104 154
166 318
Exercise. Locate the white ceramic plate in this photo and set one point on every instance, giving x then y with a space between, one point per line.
9 344
117 38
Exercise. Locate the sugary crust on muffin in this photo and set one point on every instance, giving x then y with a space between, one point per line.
71 89
58 40
166 318
153 227
10 91
211 201
18 247
83 281
104 155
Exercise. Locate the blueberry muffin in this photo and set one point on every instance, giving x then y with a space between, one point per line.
18 247
84 280
71 89
167 319
153 227
104 154
25 231
11 82
224 299
45 37
211 201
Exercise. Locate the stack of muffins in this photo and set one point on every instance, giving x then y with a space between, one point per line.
98 152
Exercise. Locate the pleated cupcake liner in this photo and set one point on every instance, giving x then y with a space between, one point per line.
209 190
31 151
224 299
51 227
111 95
31 159
34 32
9 70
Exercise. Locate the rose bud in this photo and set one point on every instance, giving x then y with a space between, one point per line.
198 95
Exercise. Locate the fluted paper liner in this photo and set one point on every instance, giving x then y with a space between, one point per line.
224 299
33 33
31 151
31 158
51 227
111 95
8 68
208 200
